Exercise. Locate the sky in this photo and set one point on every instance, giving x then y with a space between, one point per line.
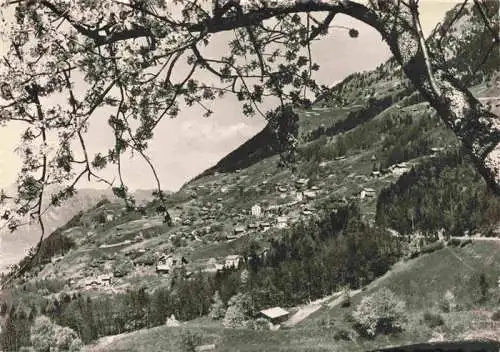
185 146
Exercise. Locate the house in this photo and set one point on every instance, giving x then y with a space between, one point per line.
264 226
299 196
310 194
252 226
256 211
368 193
282 220
106 279
54 260
301 182
239 230
274 315
282 189
232 261
205 348
110 217
168 263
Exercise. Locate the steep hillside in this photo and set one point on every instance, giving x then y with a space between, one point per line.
13 246
422 283
378 178
259 147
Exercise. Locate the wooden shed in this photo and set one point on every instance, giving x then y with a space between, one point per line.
274 315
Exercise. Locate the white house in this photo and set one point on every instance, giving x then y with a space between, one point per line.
233 261
256 211
282 222
54 260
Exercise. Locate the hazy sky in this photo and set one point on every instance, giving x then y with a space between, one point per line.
185 146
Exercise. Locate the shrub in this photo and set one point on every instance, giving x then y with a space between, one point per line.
261 324
346 298
449 302
188 341
381 312
47 336
433 320
496 316
342 334
122 267
217 309
432 247
237 312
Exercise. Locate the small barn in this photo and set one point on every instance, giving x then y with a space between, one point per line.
276 315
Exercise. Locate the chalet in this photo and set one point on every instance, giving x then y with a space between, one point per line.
282 222
342 157
274 315
282 189
239 230
169 263
367 193
299 196
256 211
264 226
310 194
205 348
301 182
436 150
232 261
314 188
54 260
106 279
110 217
252 226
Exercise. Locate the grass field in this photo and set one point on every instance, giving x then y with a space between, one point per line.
421 282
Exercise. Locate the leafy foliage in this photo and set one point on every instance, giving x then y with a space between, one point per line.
380 312
443 193
238 311
47 336
217 309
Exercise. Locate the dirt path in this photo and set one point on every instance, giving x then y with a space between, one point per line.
307 310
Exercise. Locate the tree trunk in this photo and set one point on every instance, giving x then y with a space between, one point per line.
398 23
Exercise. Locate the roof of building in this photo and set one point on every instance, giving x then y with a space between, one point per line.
233 256
275 312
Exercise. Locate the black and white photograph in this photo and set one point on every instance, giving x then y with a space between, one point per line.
249 176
